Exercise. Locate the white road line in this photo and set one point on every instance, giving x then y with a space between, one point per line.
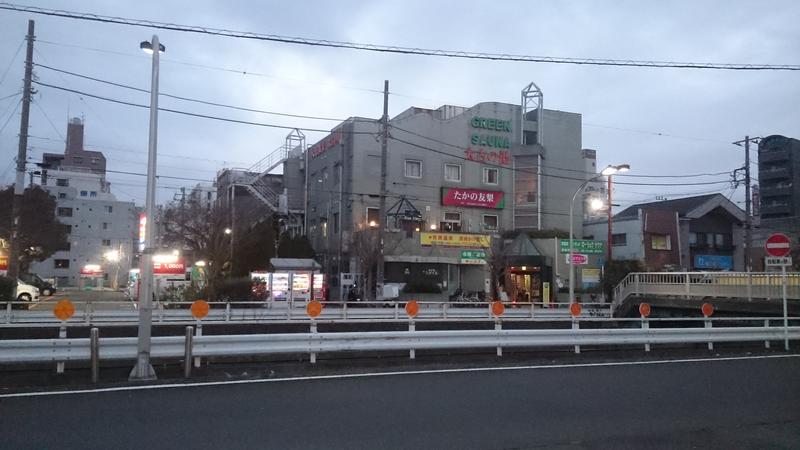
389 374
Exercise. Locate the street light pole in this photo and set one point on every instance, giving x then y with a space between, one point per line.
143 370
607 172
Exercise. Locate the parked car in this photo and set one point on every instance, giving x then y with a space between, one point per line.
27 293
45 288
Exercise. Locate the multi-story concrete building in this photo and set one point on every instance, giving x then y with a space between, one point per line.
101 229
457 180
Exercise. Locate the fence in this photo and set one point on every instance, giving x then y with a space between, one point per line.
190 346
754 285
177 313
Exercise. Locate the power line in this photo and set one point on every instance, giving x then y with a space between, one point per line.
11 62
391 49
48 119
188 99
11 115
191 114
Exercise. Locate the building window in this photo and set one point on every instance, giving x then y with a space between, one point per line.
660 242
373 217
529 137
61 263
64 212
63 182
323 224
620 239
490 175
105 225
335 223
692 239
77 160
489 222
93 194
452 172
94 160
84 193
719 240
109 209
67 228
451 222
106 242
62 195
413 168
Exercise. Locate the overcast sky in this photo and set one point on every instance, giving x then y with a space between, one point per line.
661 121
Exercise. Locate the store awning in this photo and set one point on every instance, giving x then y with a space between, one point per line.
296 264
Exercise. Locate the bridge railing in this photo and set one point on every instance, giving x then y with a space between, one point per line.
752 285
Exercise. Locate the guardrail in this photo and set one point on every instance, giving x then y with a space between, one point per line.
189 346
752 285
178 313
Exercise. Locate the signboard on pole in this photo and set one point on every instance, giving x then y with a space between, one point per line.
778 245
778 262
584 246
579 259
477 257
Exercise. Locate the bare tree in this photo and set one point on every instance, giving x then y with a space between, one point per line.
496 261
365 247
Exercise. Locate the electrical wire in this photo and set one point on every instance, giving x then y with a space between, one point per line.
188 99
11 62
390 49
11 115
191 114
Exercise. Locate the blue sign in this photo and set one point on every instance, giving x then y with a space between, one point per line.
718 262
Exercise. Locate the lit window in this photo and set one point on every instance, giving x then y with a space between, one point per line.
660 242
489 175
452 172
413 168
451 222
373 217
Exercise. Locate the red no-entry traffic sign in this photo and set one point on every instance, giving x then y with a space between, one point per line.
778 245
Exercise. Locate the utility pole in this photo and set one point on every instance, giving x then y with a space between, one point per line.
748 227
382 208
22 156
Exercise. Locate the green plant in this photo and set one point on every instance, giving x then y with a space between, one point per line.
616 271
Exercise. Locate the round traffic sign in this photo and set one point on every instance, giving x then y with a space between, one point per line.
64 309
575 309
412 308
314 308
707 309
644 309
199 309
498 308
778 245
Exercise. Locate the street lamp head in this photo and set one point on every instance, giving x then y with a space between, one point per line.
596 204
228 231
112 255
147 47
373 224
610 170
622 168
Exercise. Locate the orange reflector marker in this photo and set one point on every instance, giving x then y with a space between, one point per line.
498 308
64 310
314 308
575 309
200 309
412 308
644 309
708 309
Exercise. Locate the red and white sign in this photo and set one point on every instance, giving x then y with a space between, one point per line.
142 230
778 245
169 268
476 198
579 259
3 262
330 141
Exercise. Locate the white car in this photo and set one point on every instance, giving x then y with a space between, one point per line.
26 292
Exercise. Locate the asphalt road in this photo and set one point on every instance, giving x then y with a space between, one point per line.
752 403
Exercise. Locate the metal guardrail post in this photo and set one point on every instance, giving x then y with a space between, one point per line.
227 311
187 352
198 333
749 286
396 310
766 328
412 353
62 334
498 326
576 326
636 286
444 310
8 311
95 353
708 326
646 328
313 355
87 312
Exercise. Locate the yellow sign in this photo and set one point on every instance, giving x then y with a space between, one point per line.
456 240
546 293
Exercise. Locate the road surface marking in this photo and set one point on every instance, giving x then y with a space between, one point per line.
388 374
